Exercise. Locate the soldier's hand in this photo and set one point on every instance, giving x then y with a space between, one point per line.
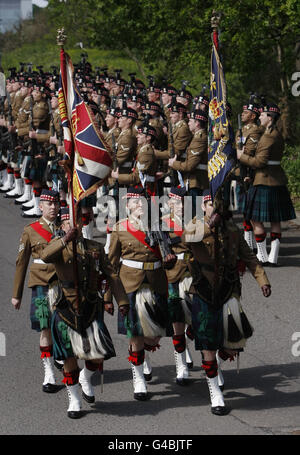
266 290
32 134
170 261
72 234
16 303
53 140
109 308
115 174
124 309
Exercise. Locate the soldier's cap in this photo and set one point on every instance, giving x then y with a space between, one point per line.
121 82
54 93
138 83
153 87
129 113
253 107
49 195
64 213
177 107
148 130
28 82
151 106
114 111
39 86
198 114
203 99
270 108
169 89
206 195
177 192
134 192
185 94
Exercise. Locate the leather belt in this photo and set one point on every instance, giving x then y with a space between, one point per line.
273 163
183 256
141 265
39 261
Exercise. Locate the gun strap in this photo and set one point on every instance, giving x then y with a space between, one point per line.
140 236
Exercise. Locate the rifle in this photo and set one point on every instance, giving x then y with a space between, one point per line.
159 238
172 155
33 142
12 137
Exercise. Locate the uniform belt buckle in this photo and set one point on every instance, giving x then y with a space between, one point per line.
148 265
186 256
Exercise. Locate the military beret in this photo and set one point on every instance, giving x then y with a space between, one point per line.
177 107
151 106
271 108
64 213
128 112
203 100
198 114
169 89
134 192
148 130
114 111
253 107
49 195
206 195
177 192
185 94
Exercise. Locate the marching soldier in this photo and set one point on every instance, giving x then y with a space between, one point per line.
34 239
218 320
194 167
268 200
141 272
251 134
126 144
78 326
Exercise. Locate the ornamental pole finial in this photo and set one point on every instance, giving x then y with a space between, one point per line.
215 19
61 37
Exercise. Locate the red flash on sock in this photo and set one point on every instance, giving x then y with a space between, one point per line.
275 235
260 237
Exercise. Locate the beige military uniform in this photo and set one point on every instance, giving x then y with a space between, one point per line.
31 245
266 161
22 121
62 257
181 136
126 247
194 168
145 167
126 150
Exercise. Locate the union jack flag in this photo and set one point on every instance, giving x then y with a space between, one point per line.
84 144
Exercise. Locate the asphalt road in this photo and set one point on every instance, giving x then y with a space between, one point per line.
264 397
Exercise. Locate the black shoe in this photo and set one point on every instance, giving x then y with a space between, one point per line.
190 365
88 398
75 414
148 376
181 381
21 203
142 396
58 365
24 215
50 388
222 387
271 264
220 410
12 197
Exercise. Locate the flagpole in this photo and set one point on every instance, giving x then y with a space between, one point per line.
61 39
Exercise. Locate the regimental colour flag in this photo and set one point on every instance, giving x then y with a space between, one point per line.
84 144
221 148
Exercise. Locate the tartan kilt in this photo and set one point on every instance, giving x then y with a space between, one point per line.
207 324
40 314
151 322
269 204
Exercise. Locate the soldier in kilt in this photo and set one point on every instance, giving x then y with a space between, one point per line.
77 326
218 321
268 200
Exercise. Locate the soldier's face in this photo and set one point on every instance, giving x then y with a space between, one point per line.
176 207
124 122
208 208
192 124
141 138
166 98
265 120
66 226
54 102
135 207
49 209
246 116
153 96
175 117
110 120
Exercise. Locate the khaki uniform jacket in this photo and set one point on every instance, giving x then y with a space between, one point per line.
44 137
251 134
22 121
199 239
145 163
31 245
17 104
108 136
126 151
270 148
124 245
181 136
196 156
62 258
180 268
